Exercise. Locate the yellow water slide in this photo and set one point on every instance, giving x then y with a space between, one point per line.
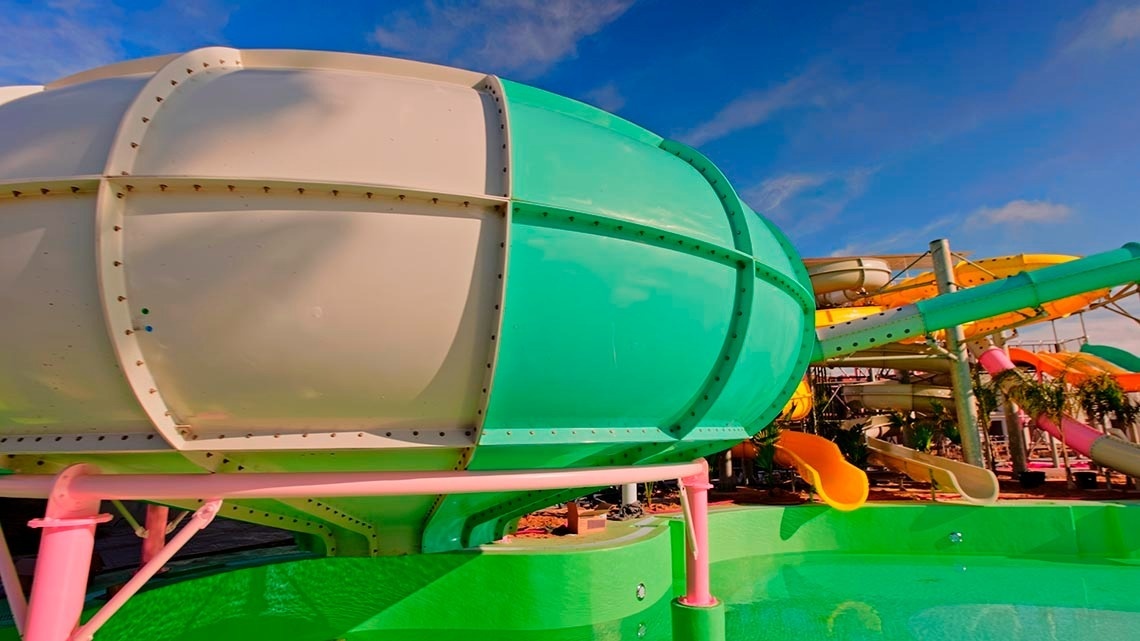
975 484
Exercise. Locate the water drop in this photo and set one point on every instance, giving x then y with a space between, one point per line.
955 537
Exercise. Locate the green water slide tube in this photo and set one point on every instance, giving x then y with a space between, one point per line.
395 266
1114 355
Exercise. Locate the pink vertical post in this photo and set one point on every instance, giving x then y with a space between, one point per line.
156 516
60 583
697 592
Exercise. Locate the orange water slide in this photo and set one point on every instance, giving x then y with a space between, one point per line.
1075 366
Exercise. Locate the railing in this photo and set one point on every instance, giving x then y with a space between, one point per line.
74 495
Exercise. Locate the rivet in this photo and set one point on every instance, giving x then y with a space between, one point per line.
336 192
117 228
230 187
74 189
122 298
401 196
301 190
173 83
139 363
435 201
466 203
45 191
265 189
145 119
118 263
162 187
197 187
119 194
158 98
16 194
368 194
129 332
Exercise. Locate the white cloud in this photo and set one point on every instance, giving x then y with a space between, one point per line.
769 195
50 41
1020 211
806 203
524 37
906 239
606 97
756 107
1106 27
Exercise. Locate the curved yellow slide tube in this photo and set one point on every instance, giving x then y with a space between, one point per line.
819 461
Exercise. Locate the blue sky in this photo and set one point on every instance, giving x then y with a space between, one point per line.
872 128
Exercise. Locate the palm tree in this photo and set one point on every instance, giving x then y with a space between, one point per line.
1049 397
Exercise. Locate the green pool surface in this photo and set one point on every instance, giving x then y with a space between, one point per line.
1065 571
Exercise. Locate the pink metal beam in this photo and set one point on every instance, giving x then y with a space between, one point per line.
201 519
696 487
156 516
287 485
64 560
17 601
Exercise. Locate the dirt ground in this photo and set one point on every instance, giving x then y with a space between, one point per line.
551 522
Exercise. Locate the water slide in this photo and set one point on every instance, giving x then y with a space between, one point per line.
819 462
1114 355
905 397
975 484
1103 449
278 261
922 287
1075 366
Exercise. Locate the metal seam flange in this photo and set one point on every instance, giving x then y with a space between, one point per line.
744 291
110 220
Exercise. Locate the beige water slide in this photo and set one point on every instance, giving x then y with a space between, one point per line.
975 484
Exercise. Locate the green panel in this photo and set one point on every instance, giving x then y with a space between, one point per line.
603 332
567 162
443 596
764 374
541 99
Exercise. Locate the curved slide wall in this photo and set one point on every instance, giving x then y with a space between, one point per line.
1114 355
1105 450
1075 366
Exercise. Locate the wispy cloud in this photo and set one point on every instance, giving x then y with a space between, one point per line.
59 38
1020 211
757 107
524 37
902 239
607 97
1106 26
806 203
769 195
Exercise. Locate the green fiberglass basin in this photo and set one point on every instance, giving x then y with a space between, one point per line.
260 260
1005 573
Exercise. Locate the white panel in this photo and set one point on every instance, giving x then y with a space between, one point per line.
288 314
8 94
63 132
325 125
57 371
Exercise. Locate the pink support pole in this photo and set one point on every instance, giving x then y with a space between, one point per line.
64 560
199 520
288 485
697 592
17 601
156 516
